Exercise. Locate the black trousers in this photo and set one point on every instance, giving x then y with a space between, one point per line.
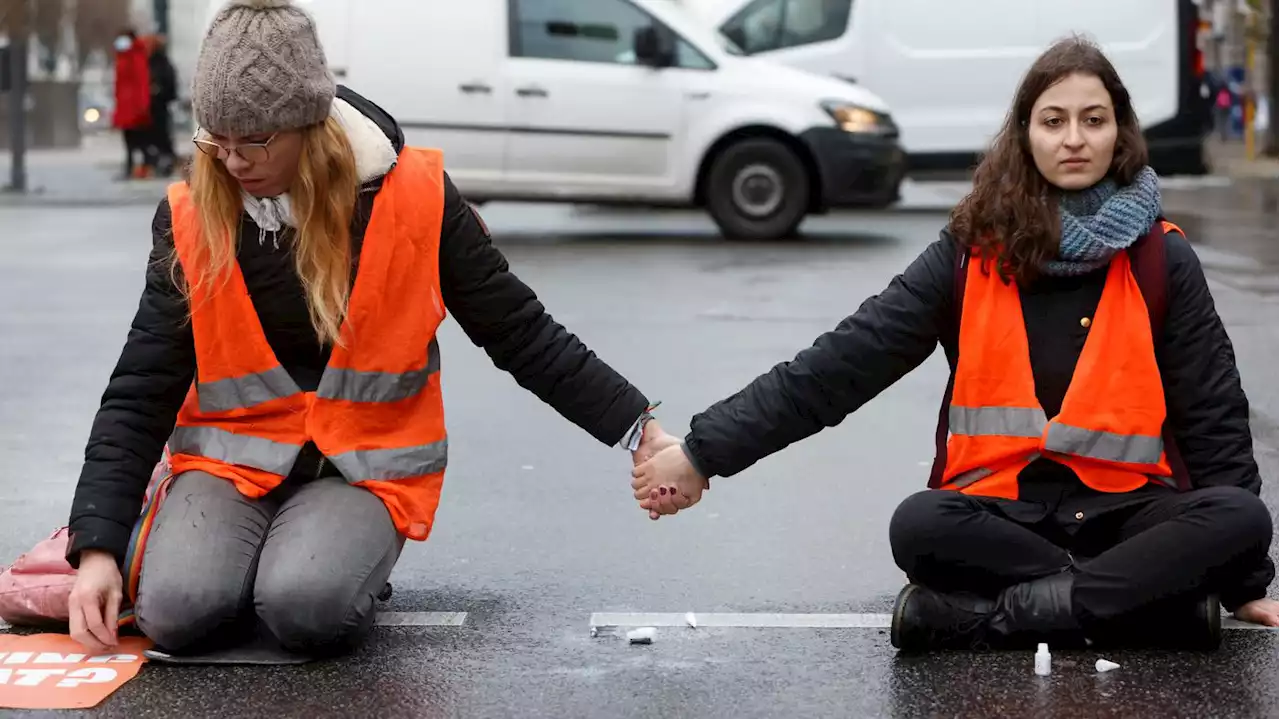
160 151
135 143
1165 546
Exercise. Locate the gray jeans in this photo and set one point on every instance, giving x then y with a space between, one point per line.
307 562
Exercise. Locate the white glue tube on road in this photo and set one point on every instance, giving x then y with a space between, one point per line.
1043 661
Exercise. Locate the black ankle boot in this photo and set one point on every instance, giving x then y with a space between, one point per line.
924 619
1023 615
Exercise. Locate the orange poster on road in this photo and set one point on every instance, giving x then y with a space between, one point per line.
52 671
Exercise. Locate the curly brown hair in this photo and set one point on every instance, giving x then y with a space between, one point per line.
1012 214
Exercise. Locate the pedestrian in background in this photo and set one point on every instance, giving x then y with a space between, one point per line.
285 348
1095 477
132 116
164 92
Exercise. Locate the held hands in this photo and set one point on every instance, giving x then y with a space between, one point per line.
653 440
1260 611
668 483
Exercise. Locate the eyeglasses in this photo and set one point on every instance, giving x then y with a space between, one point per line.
251 152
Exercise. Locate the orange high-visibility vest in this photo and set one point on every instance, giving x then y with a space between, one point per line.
1109 430
377 414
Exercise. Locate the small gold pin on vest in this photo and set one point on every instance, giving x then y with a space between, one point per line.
1085 322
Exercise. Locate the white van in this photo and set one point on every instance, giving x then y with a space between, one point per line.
949 68
614 102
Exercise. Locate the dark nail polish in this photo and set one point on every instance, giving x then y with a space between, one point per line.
662 491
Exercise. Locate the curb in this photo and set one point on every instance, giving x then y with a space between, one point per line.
38 200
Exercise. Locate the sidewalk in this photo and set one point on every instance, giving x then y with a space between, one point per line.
84 177
1228 158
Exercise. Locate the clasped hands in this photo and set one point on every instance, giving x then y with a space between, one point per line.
664 479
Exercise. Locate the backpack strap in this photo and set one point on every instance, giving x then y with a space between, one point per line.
1150 268
960 271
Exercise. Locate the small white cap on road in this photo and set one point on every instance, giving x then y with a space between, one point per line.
643 635
1103 665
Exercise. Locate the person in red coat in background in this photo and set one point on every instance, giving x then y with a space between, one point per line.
133 99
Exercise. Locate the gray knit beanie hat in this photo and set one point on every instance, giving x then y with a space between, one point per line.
261 70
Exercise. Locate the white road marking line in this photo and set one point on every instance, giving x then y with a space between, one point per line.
420 619
784 621
1233 623
390 619
764 620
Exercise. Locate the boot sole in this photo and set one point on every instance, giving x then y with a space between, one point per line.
895 626
1211 640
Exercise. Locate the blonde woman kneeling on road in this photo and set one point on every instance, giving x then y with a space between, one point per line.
285 349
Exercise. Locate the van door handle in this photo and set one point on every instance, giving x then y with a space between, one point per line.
531 92
473 88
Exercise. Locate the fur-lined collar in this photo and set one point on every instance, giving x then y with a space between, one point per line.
375 157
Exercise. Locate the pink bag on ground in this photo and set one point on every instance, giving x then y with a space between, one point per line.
37 588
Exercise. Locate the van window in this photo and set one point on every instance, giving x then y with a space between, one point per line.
765 25
588 31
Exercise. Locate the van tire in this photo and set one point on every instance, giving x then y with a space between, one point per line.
757 189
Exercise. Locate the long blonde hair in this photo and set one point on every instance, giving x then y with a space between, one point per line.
323 199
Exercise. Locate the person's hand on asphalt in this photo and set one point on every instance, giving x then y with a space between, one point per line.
94 606
668 483
1260 611
653 440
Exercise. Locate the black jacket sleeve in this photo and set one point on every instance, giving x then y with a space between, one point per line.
503 315
890 335
1207 408
138 409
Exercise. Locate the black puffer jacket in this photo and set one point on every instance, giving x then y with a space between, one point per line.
897 330
496 310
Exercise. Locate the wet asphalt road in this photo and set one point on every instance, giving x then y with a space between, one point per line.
537 529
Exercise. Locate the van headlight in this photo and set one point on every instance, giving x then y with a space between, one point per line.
852 118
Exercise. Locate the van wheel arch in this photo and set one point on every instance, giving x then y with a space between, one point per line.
754 132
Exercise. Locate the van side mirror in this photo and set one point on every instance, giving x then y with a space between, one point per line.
738 36
654 46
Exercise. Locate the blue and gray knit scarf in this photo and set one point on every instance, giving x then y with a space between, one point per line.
1102 220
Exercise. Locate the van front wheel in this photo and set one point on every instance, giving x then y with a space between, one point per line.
757 189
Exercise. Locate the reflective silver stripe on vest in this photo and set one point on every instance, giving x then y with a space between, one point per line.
996 421
219 444
246 391
354 386
1107 446
970 477
973 476
385 464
